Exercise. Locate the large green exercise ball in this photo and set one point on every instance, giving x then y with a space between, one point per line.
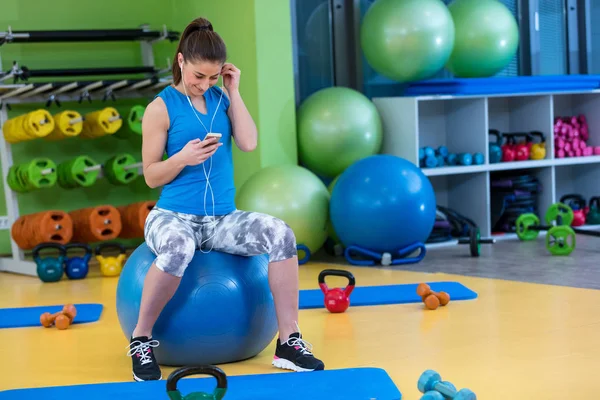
407 40
292 194
337 126
487 38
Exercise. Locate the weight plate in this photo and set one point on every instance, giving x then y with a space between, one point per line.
116 172
72 174
561 210
560 240
475 242
522 226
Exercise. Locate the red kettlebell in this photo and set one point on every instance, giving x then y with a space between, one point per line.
337 300
522 148
578 205
508 151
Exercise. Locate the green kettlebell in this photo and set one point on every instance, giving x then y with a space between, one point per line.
217 394
49 269
593 216
495 151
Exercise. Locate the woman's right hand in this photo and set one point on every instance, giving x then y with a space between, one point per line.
197 151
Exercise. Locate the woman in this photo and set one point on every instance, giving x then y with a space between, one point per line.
196 207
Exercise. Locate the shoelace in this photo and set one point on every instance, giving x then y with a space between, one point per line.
142 348
305 347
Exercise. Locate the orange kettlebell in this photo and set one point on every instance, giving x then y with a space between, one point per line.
337 300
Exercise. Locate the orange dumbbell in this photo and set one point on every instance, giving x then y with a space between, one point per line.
62 319
432 299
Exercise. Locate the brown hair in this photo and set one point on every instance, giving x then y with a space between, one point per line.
199 42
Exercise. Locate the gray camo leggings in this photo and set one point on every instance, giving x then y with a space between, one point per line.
174 237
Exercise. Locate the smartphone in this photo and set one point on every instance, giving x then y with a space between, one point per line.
211 134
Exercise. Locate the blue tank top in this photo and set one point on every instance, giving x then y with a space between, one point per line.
185 193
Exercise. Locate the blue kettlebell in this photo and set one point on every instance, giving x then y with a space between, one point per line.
495 151
77 267
49 269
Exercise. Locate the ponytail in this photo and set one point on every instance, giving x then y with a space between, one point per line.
199 42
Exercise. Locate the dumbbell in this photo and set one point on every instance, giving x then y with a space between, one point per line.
432 381
432 300
62 319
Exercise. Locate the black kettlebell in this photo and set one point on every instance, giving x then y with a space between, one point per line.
217 394
593 216
49 269
495 151
77 267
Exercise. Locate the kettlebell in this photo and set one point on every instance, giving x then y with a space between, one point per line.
494 149
110 265
593 216
336 300
77 267
522 148
217 394
577 204
49 269
537 151
508 151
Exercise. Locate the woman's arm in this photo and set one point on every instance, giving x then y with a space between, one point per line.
155 125
244 129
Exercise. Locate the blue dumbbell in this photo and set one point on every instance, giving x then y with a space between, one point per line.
421 154
432 381
452 159
465 159
432 395
442 151
478 158
440 160
429 152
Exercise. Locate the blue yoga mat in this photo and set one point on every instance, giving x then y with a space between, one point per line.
520 84
341 384
390 294
30 316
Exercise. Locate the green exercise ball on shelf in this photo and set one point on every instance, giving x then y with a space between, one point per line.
407 40
293 194
337 126
487 38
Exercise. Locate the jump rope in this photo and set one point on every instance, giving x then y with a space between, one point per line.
213 223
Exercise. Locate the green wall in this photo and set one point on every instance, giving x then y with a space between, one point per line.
258 35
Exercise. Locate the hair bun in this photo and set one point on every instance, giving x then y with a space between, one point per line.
203 24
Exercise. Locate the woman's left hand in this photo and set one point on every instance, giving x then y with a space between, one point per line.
231 77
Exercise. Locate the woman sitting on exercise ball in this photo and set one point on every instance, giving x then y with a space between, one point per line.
196 208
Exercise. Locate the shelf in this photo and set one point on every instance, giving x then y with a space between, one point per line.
89 35
462 122
79 89
522 114
583 179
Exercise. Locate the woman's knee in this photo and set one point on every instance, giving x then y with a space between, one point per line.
175 255
283 241
172 241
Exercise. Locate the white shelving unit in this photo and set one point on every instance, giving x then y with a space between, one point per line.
461 124
36 93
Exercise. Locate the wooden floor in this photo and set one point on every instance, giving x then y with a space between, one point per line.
518 340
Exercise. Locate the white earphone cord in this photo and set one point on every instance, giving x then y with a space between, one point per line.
207 176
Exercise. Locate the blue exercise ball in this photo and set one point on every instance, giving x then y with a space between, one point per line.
222 311
382 203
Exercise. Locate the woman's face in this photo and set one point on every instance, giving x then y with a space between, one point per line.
198 77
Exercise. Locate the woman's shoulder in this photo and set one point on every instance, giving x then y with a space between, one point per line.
217 93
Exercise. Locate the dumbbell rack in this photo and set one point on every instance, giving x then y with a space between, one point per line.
461 123
30 93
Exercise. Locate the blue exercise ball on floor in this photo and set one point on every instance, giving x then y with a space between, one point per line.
222 311
382 203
